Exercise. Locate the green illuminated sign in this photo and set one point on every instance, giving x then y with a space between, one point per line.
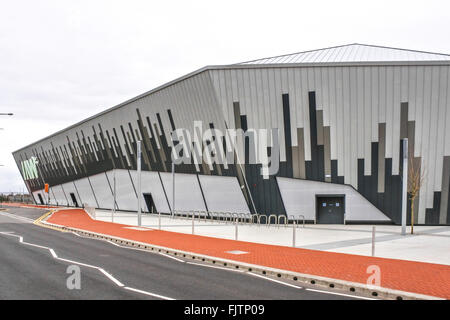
29 168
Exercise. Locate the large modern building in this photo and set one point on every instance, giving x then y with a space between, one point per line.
340 115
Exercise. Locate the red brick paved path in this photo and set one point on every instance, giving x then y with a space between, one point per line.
424 278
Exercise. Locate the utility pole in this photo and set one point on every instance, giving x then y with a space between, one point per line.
139 195
114 195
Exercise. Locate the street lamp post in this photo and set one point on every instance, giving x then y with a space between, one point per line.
404 185
114 196
139 194
173 188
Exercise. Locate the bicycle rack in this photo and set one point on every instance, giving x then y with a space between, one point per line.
270 219
281 216
303 219
226 216
177 213
253 219
212 215
243 217
294 219
262 216
205 216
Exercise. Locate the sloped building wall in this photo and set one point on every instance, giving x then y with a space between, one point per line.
337 124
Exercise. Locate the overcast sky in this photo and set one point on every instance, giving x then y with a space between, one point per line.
64 60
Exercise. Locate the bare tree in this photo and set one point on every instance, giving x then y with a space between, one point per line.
416 178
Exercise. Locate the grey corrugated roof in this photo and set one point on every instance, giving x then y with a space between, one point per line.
353 53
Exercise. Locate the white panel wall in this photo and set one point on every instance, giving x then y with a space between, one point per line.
69 188
102 190
151 183
36 197
59 195
299 197
85 192
51 198
223 194
125 195
187 191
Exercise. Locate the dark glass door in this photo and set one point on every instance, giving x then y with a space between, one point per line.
330 210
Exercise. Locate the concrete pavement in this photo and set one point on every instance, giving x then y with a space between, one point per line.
428 244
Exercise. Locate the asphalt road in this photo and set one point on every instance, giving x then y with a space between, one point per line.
36 268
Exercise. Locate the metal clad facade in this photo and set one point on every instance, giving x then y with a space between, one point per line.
337 123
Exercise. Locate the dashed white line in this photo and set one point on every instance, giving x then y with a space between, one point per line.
53 253
276 281
13 216
77 234
108 275
169 256
117 282
79 263
149 293
229 269
339 294
138 249
120 284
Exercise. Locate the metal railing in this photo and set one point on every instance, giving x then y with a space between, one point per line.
241 218
294 219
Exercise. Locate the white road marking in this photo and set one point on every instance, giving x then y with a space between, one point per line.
53 253
169 256
79 263
113 243
339 294
117 282
124 247
120 284
108 275
138 249
149 293
276 281
13 216
229 269
214 267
